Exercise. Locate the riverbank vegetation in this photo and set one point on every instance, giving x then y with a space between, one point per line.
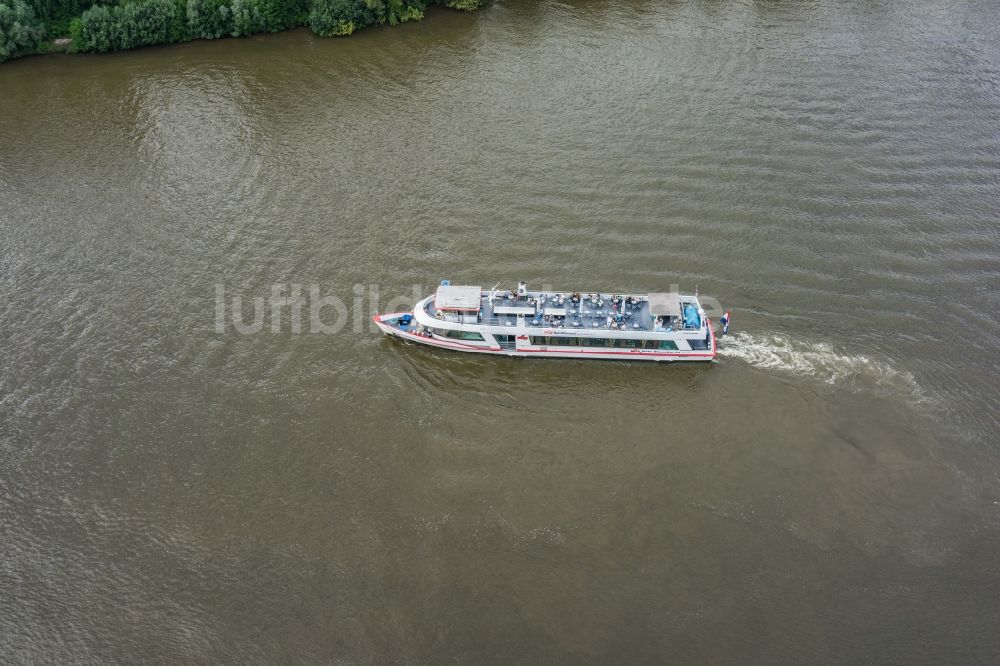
29 26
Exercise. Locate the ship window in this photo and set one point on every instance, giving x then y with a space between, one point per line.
538 340
668 344
456 335
595 342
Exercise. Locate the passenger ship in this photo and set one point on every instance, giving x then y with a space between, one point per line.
635 327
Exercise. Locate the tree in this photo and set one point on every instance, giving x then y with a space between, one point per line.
247 18
209 19
94 30
135 24
20 30
464 5
328 18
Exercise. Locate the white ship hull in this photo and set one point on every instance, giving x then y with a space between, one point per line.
520 325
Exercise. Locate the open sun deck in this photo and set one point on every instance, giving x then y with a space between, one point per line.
564 310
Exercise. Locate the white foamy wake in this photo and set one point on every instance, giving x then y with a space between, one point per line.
819 360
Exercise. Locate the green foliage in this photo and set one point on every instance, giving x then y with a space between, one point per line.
57 14
127 26
398 11
94 31
463 5
209 19
75 34
178 27
141 22
247 19
342 17
21 31
281 14
146 22
338 17
114 25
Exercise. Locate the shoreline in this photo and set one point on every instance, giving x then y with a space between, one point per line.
175 28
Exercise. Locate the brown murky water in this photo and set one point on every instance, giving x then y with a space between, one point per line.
827 492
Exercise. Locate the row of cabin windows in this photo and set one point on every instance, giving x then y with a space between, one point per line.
619 343
561 341
458 335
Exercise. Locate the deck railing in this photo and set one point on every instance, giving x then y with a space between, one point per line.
586 324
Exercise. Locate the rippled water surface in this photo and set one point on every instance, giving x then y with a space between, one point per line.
828 491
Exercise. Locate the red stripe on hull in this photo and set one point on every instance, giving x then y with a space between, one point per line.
442 344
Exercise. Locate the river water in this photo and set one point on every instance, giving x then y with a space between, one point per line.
175 490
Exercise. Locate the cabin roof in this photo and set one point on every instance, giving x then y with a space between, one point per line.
665 305
646 313
455 297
